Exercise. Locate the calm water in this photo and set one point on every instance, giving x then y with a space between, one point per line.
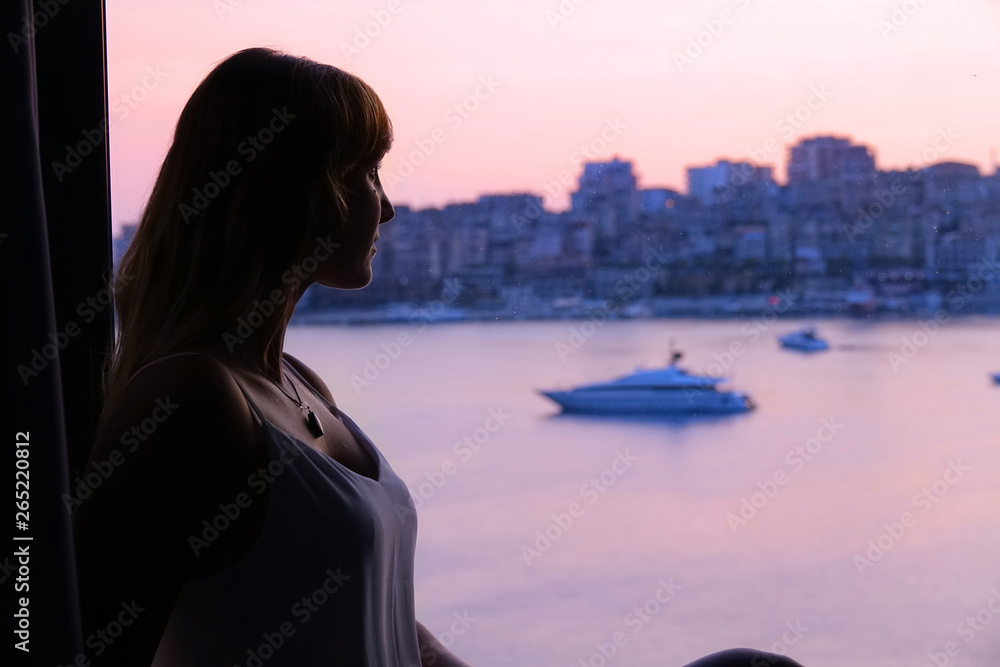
893 434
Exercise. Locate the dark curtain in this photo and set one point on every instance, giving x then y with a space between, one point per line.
55 254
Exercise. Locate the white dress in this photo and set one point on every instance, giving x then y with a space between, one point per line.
329 582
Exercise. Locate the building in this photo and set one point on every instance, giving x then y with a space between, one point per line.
607 195
656 200
834 168
833 231
724 180
121 243
831 159
953 183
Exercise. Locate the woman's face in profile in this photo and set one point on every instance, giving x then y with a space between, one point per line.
368 207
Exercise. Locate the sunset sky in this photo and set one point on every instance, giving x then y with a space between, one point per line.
892 74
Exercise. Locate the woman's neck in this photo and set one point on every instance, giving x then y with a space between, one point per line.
252 354
259 346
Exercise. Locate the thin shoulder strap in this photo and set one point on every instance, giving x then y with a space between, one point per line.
330 406
253 406
156 361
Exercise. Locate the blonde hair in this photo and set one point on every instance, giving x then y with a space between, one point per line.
253 177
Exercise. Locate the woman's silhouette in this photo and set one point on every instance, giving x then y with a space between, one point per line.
239 518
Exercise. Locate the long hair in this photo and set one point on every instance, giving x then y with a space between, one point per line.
252 182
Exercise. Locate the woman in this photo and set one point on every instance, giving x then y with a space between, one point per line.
243 519
236 526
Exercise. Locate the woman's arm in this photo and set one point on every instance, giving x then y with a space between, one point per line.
433 652
179 442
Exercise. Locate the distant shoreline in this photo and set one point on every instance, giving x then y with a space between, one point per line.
369 317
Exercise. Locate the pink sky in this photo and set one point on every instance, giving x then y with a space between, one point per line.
561 77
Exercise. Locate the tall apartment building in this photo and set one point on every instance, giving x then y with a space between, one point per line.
724 179
608 196
843 172
829 158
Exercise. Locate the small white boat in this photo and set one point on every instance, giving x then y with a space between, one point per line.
805 340
664 391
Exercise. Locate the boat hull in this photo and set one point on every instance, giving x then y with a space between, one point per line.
651 402
804 345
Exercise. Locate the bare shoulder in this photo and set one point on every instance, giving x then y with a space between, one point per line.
179 442
187 393
311 376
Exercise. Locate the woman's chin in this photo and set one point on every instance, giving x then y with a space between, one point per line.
357 280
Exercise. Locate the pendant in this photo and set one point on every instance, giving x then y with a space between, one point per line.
314 425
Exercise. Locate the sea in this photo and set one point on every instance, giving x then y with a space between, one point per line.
852 519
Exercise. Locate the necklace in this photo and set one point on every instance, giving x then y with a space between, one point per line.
315 427
311 419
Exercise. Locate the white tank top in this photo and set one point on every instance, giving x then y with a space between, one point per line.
329 581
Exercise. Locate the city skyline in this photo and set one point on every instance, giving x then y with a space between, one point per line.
687 82
929 158
841 236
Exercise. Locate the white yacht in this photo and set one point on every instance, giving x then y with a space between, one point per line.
804 339
663 391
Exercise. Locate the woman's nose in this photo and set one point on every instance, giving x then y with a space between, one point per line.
387 210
